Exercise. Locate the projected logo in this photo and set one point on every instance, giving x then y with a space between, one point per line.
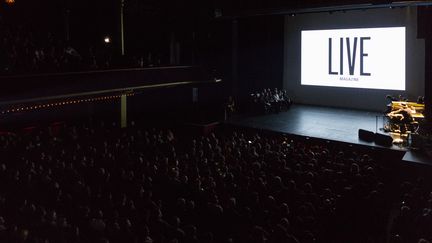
351 53
371 58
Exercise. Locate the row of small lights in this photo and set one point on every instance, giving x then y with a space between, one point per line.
62 103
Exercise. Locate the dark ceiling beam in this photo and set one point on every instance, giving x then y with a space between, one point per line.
294 11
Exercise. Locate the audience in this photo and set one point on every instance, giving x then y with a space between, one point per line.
102 184
413 220
25 51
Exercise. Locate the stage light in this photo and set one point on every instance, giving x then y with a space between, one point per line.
10 2
107 40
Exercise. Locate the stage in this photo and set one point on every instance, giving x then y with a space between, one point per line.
334 124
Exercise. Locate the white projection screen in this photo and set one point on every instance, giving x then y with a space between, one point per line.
371 58
392 60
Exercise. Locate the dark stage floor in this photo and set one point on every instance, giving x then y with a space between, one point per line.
335 124
318 122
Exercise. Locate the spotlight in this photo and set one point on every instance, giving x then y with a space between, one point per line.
107 40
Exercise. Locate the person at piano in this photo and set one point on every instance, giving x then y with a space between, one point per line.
404 114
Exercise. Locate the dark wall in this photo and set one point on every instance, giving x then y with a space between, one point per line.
247 53
260 53
425 31
176 104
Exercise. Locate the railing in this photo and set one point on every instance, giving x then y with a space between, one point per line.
22 88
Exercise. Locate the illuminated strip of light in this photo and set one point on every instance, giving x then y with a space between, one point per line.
64 103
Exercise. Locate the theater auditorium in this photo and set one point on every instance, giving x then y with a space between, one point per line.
224 121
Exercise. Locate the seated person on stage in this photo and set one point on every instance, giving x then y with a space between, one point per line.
265 100
389 105
420 100
401 98
275 100
391 98
286 99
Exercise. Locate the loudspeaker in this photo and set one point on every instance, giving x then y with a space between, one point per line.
383 140
365 135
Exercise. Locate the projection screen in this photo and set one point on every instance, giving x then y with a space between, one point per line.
372 58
